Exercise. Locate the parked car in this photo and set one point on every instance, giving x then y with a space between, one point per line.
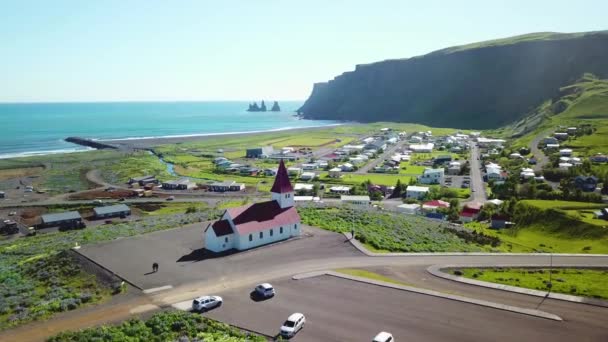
292 325
205 303
264 290
383 337
170 198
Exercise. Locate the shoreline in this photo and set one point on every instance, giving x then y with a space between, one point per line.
148 142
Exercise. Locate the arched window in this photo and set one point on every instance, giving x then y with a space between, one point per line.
250 237
261 235
281 230
271 232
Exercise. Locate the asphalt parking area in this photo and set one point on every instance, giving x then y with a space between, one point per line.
344 310
182 258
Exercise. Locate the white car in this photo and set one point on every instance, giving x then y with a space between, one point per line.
292 325
264 290
205 303
383 337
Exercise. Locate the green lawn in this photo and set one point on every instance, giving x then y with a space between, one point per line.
375 178
564 205
370 275
136 164
578 282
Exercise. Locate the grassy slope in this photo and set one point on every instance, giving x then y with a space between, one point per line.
579 282
586 101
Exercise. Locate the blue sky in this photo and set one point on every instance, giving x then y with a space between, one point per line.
241 50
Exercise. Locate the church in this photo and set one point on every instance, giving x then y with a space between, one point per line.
257 224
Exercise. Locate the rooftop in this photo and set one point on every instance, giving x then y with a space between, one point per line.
111 209
417 188
260 216
68 215
354 198
281 181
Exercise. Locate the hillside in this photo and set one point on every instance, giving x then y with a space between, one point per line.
481 85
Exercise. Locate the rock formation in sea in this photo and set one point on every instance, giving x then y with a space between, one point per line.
275 107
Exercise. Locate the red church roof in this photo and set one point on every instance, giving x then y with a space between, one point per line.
437 203
221 228
281 181
261 216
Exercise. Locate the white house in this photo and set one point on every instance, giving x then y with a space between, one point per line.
454 168
340 189
431 176
310 166
308 176
346 167
257 224
527 173
422 148
566 152
410 209
416 192
564 166
552 146
294 171
335 172
362 201
305 187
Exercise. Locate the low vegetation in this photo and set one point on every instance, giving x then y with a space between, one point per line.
164 326
386 232
134 165
578 282
38 277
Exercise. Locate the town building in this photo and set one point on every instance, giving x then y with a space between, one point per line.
454 168
303 188
416 192
566 152
257 224
347 167
422 148
143 180
432 206
409 208
487 142
586 183
180 184
310 166
376 145
2 194
599 158
470 211
362 201
293 171
119 210
499 221
340 189
550 140
259 152
68 219
431 176
561 135
443 159
227 185
335 172
308 176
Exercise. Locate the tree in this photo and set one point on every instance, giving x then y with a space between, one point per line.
399 189
454 210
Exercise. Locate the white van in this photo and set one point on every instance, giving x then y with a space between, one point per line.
383 337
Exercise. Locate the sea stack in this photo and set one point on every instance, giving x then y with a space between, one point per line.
263 107
275 107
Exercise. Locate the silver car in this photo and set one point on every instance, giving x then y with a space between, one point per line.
205 303
264 290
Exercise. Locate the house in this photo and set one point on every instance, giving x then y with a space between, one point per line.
416 192
432 206
349 149
347 167
322 164
270 172
442 159
499 221
2 194
218 160
552 147
564 166
362 201
303 188
454 168
456 149
293 171
527 173
310 166
496 202
284 156
335 172
470 211
422 148
586 183
431 176
599 158
561 135
223 164
119 210
68 219
259 152
340 189
514 156
257 224
376 145
571 130
180 184
249 170
550 140
227 185
367 140
601 214
307 176
358 160
566 152
488 142
410 209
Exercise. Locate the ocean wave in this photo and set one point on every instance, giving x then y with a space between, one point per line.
44 152
218 133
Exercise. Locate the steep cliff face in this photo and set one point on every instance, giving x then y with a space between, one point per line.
482 85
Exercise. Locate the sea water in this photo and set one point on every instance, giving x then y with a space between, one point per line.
40 128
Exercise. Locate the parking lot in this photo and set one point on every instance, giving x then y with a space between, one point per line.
343 310
457 181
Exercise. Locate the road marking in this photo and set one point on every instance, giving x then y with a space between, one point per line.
157 289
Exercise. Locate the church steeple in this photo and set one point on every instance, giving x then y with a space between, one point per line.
281 190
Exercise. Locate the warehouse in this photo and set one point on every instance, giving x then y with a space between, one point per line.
119 210
68 219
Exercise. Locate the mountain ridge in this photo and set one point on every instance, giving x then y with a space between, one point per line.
479 85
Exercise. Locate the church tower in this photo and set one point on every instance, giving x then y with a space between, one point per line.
282 191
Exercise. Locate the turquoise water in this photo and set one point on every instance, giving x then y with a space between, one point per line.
39 128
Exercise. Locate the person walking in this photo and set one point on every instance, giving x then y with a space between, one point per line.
155 267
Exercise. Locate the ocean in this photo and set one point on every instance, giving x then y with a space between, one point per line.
39 128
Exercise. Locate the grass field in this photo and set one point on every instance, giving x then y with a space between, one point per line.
578 282
20 172
383 232
370 275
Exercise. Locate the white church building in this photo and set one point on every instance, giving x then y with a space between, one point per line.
257 224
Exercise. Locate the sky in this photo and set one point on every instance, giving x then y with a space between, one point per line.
148 50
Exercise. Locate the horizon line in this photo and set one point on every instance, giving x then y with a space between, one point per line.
141 101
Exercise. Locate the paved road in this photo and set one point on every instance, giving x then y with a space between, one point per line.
478 188
343 310
541 158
